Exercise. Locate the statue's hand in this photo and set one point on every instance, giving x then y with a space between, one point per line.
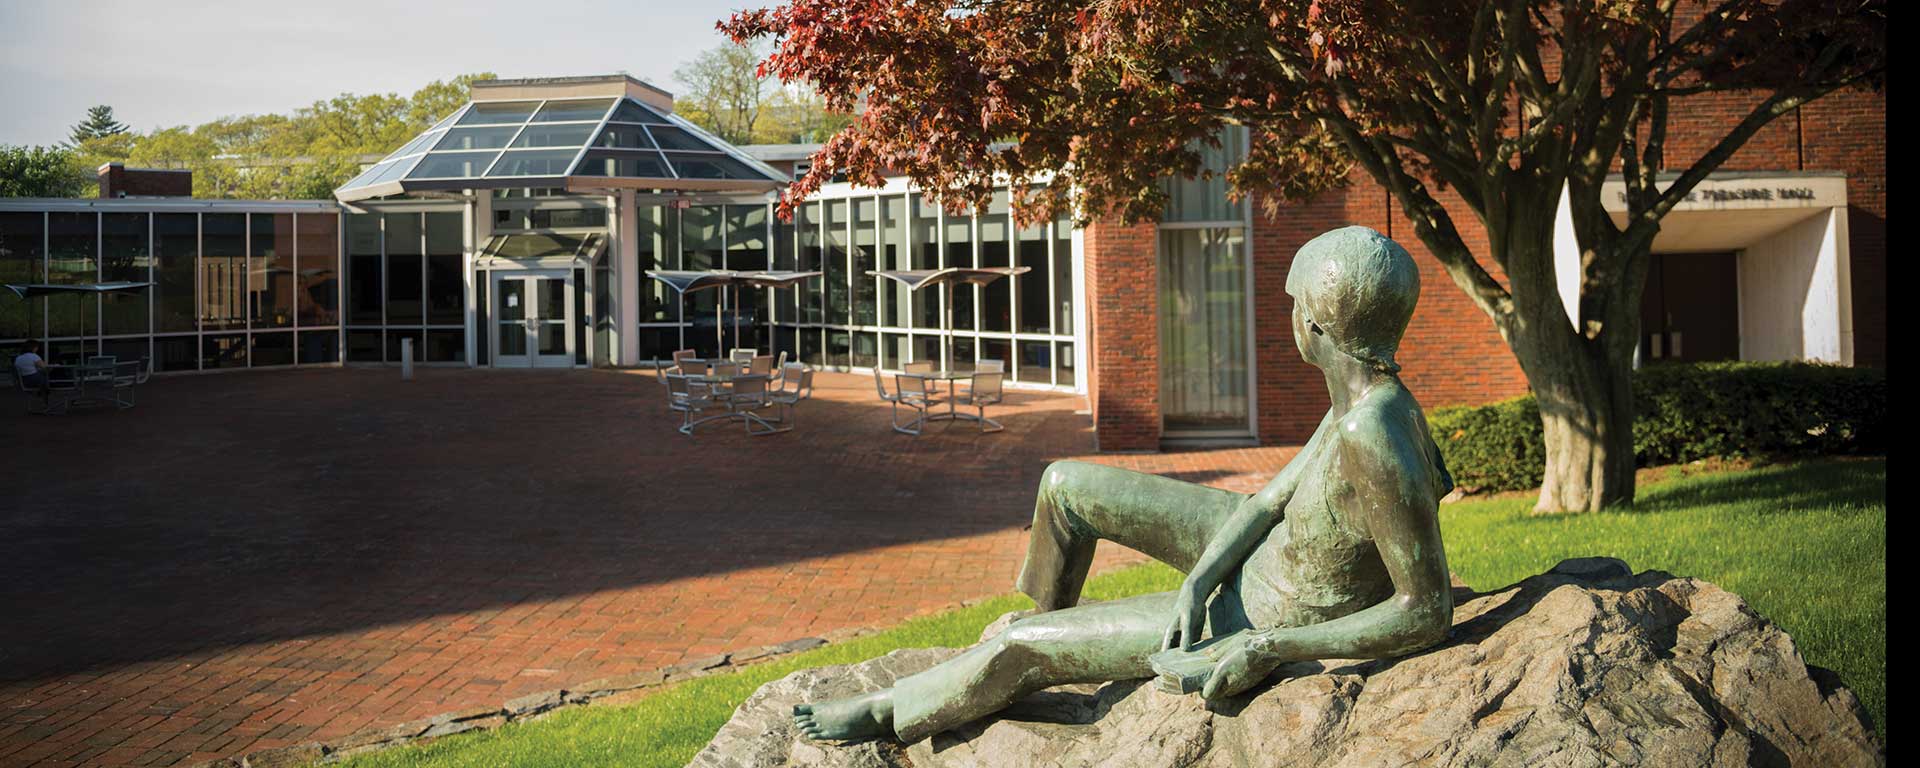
1243 664
1189 616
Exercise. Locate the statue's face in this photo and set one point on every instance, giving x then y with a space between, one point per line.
1308 338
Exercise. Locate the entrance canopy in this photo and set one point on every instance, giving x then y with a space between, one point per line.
575 143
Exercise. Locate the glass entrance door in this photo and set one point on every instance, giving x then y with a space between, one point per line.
533 325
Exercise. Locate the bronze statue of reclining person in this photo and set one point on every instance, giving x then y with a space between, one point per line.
1339 556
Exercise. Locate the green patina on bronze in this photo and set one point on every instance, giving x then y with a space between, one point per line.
1338 557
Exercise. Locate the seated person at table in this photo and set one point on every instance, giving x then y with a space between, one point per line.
31 369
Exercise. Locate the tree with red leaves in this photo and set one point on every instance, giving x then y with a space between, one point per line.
1499 106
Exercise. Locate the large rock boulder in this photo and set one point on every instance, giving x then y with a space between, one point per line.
1586 665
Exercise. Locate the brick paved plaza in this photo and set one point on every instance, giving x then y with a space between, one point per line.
255 560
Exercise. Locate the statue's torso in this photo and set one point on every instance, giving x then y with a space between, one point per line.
1319 563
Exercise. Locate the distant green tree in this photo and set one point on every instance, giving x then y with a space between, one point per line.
42 172
99 123
723 91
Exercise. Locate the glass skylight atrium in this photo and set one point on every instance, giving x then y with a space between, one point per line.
571 143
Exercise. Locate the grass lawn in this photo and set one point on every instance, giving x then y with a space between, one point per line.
1805 544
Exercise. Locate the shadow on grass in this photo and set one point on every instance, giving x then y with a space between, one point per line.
1832 483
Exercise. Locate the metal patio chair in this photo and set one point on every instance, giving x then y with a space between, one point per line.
800 377
919 366
991 366
983 389
750 395
126 374
789 399
913 394
63 382
683 399
880 387
742 355
761 364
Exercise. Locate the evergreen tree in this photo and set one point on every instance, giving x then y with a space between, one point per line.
99 123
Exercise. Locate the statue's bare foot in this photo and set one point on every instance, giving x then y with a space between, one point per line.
860 717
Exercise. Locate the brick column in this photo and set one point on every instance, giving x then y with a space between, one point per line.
1123 334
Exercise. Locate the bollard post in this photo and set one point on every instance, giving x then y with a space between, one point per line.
406 359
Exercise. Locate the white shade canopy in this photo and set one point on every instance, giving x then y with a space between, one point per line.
916 279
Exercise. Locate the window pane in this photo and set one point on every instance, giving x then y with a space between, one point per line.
1036 362
224 351
544 162
807 229
959 253
223 273
865 310
1063 364
22 239
477 138
669 137
997 312
1205 199
1203 330
633 165
446 286
270 274
700 249
452 165
554 136
272 349
176 353
1035 312
560 111
692 166
834 262
624 137
176 254
124 257
926 255
395 339
747 251
498 112
365 297
404 304
72 240
1063 276
318 257
657 301
363 346
631 111
319 346
892 295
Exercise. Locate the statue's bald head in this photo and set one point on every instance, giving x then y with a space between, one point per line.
1358 287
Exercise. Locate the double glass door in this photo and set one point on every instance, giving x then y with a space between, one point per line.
533 319
1205 357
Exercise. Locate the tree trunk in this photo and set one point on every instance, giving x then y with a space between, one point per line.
1585 396
1583 386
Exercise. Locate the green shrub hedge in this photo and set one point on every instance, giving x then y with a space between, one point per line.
1683 412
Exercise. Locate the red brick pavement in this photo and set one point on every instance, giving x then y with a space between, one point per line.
255 560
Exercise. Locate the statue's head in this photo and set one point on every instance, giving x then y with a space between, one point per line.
1353 292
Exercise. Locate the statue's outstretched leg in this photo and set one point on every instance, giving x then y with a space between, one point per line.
1080 504
1089 643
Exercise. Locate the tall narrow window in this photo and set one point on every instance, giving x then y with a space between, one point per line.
366 300
176 249
22 260
1203 341
446 283
223 272
270 274
864 288
405 280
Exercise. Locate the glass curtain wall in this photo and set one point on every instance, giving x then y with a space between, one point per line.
231 287
1206 359
406 281
850 319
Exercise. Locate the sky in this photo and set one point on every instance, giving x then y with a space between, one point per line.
186 62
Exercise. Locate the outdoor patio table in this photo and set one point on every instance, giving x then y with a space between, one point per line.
950 377
719 383
89 373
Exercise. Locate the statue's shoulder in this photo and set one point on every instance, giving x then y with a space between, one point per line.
1383 426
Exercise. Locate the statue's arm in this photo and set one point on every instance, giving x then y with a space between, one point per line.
1401 512
1235 540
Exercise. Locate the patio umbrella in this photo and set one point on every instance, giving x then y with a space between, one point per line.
916 279
685 282
30 290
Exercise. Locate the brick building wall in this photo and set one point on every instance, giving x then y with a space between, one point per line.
117 180
1452 354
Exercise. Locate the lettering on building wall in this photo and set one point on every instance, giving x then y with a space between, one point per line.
1737 194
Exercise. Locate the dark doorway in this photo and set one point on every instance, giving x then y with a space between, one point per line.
1691 309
